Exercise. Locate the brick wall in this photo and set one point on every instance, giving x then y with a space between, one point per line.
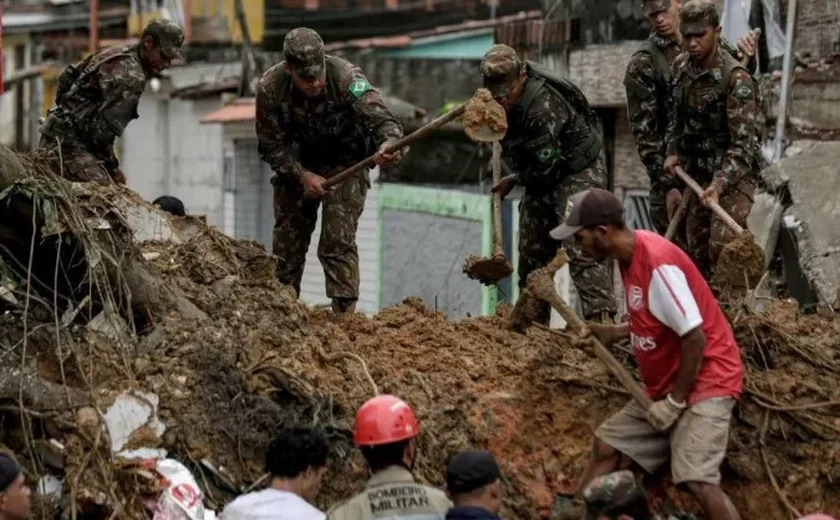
630 174
817 25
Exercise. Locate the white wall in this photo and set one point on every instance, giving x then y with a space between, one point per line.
7 99
167 151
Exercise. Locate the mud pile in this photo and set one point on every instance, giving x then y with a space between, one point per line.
245 358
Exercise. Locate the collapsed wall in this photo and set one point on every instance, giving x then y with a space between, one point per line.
173 322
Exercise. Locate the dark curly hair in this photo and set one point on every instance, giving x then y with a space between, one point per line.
171 205
296 449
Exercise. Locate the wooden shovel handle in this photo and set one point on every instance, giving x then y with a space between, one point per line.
606 357
417 135
723 215
497 199
674 224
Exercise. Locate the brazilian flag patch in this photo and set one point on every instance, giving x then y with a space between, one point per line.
742 90
359 87
546 154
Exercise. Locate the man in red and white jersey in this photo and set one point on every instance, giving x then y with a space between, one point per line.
683 345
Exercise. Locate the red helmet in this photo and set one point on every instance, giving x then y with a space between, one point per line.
383 420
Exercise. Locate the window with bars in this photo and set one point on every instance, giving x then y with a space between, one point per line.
637 210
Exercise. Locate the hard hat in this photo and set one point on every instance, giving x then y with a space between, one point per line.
817 516
383 420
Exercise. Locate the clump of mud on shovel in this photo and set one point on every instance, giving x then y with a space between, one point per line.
488 271
741 264
484 119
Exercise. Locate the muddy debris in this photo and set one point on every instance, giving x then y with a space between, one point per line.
741 264
488 271
261 359
484 119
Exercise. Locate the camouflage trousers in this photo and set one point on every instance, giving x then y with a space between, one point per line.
294 221
706 234
73 162
539 213
658 209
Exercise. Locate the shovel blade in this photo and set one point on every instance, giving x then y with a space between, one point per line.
483 134
488 271
484 119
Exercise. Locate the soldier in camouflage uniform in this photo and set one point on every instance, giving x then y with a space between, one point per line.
713 131
316 115
98 97
647 82
555 147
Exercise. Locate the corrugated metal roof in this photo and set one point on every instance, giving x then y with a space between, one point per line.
53 20
239 111
244 109
468 28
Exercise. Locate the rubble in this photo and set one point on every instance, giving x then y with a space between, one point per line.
231 355
763 221
810 178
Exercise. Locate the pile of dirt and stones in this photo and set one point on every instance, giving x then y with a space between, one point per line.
112 312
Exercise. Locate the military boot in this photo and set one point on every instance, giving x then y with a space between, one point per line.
344 305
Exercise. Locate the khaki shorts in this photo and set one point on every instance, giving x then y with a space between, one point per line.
696 445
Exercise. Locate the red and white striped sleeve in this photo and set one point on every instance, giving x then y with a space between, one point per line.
670 300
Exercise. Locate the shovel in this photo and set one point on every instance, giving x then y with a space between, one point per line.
541 286
489 271
484 120
742 258
674 224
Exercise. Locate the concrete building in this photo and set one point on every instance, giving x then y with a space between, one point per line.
167 151
16 100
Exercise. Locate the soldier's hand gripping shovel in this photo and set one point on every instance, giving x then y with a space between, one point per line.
541 285
490 271
482 121
742 255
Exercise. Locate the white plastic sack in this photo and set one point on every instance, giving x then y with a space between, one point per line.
182 499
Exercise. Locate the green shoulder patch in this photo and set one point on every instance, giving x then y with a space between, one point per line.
743 90
359 87
547 153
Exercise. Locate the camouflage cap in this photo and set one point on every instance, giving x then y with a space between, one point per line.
651 7
168 35
697 15
499 69
610 492
303 49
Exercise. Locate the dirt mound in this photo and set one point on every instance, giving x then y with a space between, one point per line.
741 264
246 358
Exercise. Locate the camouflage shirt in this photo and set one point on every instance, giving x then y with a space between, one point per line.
342 126
713 126
543 140
95 101
648 91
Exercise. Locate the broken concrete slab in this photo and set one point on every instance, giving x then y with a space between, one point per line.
764 221
130 412
813 181
111 325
